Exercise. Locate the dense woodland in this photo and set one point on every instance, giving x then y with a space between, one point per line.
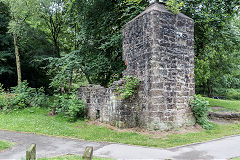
62 44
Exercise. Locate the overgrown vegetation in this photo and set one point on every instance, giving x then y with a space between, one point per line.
227 93
69 105
200 110
129 87
174 6
21 97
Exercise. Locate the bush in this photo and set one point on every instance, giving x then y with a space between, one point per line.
227 93
233 94
22 96
200 110
220 92
174 6
130 87
69 105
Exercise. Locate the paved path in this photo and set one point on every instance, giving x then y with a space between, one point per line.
54 146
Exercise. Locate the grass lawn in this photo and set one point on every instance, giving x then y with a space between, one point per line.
70 157
5 145
228 104
35 120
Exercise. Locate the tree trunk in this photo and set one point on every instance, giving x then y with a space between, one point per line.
209 88
18 64
70 82
57 48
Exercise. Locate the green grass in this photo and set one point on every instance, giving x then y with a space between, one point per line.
70 157
228 104
4 145
36 120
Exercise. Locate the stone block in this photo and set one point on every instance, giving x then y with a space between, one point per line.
31 152
88 153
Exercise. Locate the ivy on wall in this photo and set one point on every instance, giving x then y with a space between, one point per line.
129 88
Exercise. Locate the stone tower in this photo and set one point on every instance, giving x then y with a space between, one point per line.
158 48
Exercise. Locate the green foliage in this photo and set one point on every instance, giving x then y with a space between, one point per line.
51 20
99 36
174 6
228 93
200 109
129 87
20 11
21 97
93 30
35 46
1 88
7 64
215 19
64 69
233 94
69 105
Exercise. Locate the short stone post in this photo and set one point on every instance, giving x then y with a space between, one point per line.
31 152
88 153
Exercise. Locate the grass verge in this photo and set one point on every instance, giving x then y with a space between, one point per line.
35 120
228 104
70 157
5 145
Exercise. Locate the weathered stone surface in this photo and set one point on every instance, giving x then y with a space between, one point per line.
158 48
224 115
31 152
88 153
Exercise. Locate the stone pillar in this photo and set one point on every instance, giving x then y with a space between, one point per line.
158 48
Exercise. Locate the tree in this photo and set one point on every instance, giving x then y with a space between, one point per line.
20 11
99 36
52 13
7 68
216 43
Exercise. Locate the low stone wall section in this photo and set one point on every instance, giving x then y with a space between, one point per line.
106 105
224 116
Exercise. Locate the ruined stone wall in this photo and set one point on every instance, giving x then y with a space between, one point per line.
104 104
158 48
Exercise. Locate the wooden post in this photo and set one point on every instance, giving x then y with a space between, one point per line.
31 152
88 153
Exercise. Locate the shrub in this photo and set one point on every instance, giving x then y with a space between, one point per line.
1 88
129 87
60 103
5 99
200 110
69 105
233 94
22 96
227 93
174 6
